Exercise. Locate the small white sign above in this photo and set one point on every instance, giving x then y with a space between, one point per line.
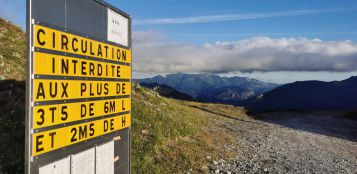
118 28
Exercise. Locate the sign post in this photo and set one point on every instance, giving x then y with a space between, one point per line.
78 87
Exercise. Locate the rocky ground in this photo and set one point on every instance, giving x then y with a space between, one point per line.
289 143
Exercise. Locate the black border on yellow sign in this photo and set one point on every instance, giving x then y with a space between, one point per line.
54 77
119 122
46 119
69 31
79 37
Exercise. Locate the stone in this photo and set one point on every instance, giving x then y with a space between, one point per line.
204 169
145 132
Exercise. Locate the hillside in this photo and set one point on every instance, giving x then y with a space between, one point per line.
167 91
12 51
173 136
233 95
309 95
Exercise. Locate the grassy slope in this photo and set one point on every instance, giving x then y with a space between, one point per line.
171 136
12 51
12 97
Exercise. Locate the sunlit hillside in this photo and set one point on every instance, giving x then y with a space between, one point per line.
12 51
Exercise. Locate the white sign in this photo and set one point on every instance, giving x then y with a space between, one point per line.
83 162
118 28
62 166
105 158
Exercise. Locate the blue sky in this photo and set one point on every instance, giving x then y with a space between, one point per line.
327 20
277 40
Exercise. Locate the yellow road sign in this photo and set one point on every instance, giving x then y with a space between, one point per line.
58 138
50 64
47 90
52 39
50 115
78 95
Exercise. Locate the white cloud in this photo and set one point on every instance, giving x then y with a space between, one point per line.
282 77
152 54
230 17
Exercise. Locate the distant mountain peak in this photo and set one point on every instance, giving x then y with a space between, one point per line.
352 78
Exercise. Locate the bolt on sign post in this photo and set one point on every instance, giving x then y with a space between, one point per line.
78 87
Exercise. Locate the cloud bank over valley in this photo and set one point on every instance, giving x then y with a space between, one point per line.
156 55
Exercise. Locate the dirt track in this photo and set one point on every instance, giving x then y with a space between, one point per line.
290 143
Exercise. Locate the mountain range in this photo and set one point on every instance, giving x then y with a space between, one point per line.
308 95
211 87
259 96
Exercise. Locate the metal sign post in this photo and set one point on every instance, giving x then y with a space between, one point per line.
78 87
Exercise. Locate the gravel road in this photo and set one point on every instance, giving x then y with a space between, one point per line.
291 143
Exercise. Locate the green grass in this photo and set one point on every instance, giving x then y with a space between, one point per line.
156 120
12 51
171 136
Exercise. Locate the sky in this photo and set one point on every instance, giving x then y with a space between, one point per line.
277 41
